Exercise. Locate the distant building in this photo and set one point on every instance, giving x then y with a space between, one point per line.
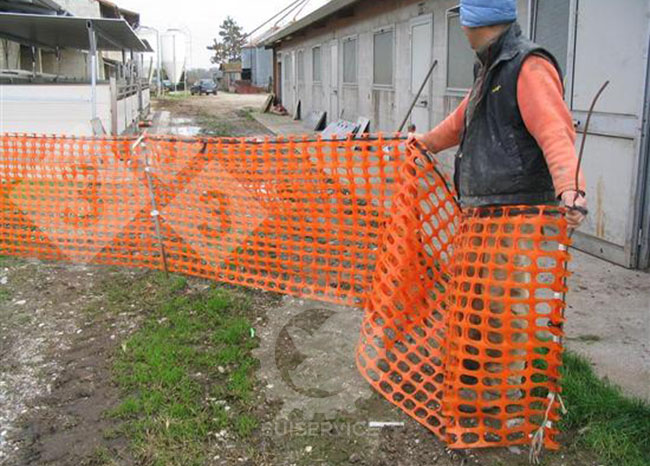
46 44
365 58
230 74
257 62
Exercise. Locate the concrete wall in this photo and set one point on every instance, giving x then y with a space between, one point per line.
86 8
73 64
615 157
9 55
385 106
64 109
52 109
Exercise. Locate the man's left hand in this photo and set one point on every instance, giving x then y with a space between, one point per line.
577 205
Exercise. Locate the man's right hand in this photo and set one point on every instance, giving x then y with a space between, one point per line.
577 204
415 137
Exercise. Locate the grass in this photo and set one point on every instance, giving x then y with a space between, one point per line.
615 427
180 95
216 127
587 338
186 375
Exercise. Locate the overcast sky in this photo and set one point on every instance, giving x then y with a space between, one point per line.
203 17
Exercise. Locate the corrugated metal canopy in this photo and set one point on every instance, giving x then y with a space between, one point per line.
323 12
69 32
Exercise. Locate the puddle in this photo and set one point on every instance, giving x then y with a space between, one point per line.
184 127
188 131
181 121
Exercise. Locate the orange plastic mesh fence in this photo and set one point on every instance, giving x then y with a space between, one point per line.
463 324
463 314
293 216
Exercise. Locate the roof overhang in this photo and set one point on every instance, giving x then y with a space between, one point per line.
69 32
327 10
41 7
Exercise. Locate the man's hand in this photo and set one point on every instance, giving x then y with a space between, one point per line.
415 137
577 205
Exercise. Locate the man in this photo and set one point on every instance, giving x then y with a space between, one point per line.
516 147
515 132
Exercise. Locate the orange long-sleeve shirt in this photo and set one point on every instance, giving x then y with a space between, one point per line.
545 114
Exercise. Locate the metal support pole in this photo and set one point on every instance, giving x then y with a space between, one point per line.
92 37
188 61
155 213
175 70
33 50
159 62
417 96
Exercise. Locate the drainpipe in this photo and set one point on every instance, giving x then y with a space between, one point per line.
92 37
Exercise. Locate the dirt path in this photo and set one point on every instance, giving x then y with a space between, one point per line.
221 115
54 377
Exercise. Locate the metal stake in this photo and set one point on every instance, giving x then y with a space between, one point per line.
154 212
417 96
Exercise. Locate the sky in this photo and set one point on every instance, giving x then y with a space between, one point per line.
203 18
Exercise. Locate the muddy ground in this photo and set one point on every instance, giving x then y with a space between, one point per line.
63 325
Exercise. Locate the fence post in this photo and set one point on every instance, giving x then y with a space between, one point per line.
114 115
155 213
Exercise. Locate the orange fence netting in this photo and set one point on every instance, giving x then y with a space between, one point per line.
463 309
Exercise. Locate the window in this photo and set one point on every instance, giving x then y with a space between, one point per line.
460 56
300 66
383 58
350 61
551 28
317 65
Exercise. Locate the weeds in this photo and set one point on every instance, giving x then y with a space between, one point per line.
215 127
616 428
186 375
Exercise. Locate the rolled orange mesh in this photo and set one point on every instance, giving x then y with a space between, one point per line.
463 315
463 323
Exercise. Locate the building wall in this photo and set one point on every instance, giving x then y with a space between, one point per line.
262 67
52 108
385 106
72 64
594 51
85 8
9 55
65 109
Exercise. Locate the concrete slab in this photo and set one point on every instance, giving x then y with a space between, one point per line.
608 321
282 125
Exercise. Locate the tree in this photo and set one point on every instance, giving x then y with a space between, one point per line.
232 39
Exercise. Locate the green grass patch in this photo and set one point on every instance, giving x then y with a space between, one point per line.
615 427
174 96
185 375
216 127
4 261
587 338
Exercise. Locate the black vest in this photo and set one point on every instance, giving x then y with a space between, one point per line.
499 161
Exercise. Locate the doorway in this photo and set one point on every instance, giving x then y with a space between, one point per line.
421 60
334 81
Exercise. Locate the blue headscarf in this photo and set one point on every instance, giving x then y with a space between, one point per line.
479 13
